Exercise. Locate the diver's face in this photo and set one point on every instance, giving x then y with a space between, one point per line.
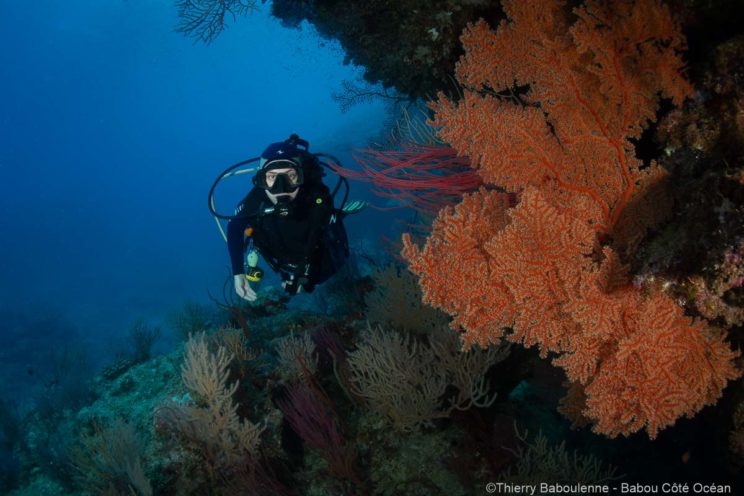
289 173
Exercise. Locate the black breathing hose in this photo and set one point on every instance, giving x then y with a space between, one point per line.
341 179
224 174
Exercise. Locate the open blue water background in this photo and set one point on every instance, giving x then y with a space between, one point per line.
112 128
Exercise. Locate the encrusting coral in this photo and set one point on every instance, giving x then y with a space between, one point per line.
550 272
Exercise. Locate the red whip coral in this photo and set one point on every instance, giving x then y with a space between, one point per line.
548 272
423 176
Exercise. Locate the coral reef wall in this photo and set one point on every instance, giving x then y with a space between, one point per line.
410 45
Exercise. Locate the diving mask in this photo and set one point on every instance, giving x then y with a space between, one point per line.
280 176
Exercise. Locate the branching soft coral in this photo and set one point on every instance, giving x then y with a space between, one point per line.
219 442
548 272
205 19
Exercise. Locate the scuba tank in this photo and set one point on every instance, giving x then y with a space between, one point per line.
253 272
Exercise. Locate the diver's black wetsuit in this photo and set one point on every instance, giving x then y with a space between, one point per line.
310 234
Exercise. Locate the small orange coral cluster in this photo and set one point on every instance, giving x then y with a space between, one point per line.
549 270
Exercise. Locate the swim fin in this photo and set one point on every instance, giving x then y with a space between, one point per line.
353 207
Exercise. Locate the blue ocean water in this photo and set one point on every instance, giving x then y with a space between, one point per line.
112 129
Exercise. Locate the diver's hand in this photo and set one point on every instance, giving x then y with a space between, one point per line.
243 287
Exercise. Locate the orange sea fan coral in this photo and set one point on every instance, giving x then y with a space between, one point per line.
668 367
454 261
549 271
642 362
593 86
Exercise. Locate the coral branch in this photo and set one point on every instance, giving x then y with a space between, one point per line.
205 19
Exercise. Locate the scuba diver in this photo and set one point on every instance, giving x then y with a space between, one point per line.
289 218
